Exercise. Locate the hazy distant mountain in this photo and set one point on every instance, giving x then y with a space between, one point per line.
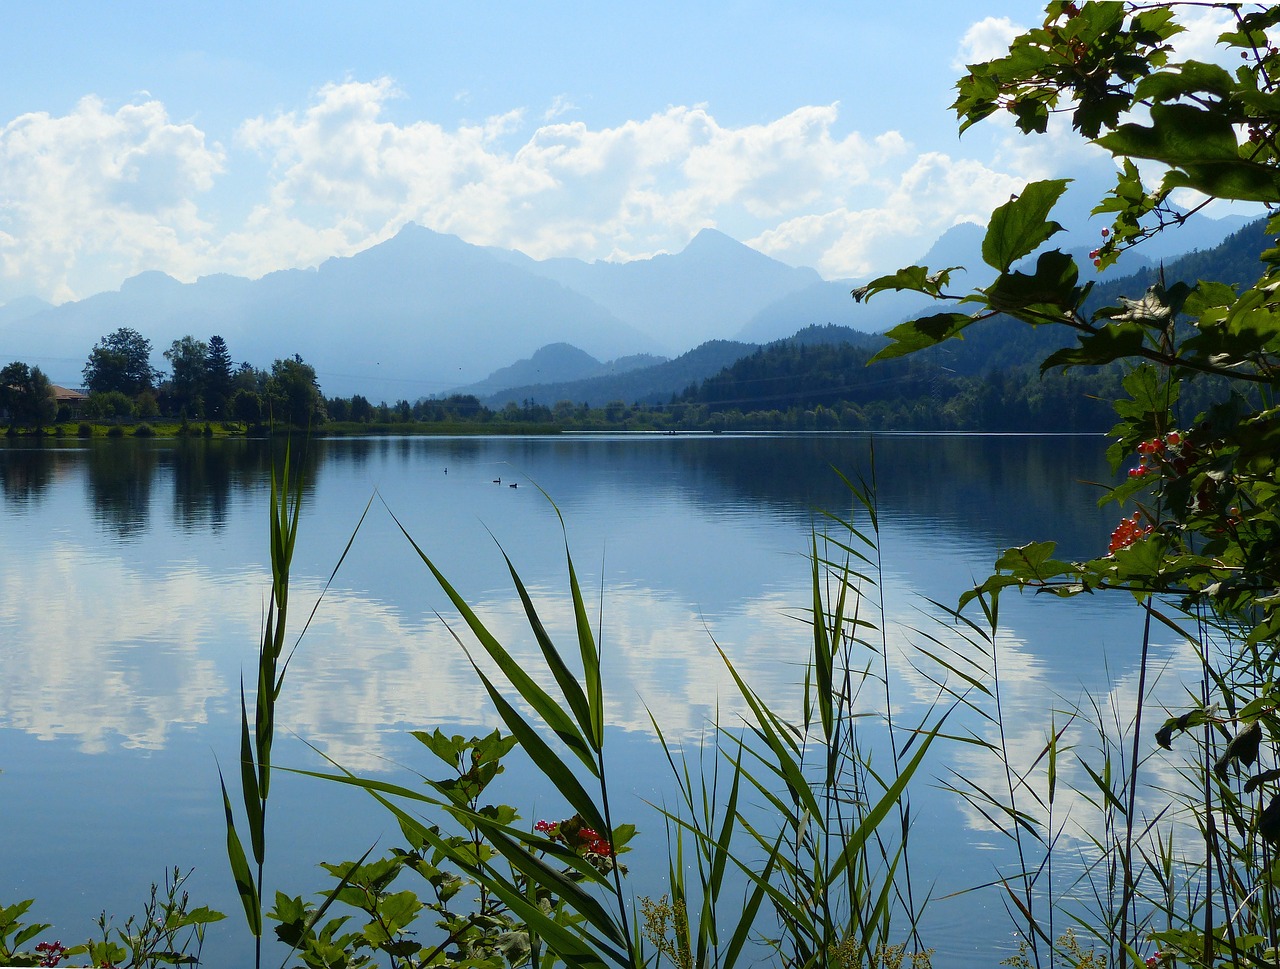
552 364
646 385
424 312
413 315
21 308
830 301
708 291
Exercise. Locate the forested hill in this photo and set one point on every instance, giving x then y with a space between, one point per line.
644 385
989 381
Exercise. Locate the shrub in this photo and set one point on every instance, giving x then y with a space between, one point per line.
144 430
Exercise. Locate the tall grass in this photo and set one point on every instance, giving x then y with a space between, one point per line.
819 875
257 739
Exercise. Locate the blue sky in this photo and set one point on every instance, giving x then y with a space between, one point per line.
246 138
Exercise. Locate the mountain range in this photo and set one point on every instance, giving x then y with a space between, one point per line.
426 313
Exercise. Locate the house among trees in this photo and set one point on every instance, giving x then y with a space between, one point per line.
73 400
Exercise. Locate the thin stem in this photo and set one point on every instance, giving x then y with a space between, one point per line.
1127 893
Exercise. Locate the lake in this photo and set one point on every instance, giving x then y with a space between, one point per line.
134 578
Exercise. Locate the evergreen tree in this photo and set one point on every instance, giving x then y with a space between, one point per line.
217 377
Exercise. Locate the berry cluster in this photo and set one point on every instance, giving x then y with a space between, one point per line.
574 834
51 953
1127 532
1156 449
1096 254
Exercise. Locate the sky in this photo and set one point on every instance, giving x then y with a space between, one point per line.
246 137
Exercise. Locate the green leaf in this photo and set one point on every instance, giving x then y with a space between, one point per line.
1190 77
564 886
1049 295
880 810
249 786
916 279
546 708
547 761
1179 134
1238 179
1033 562
570 688
1101 347
918 334
240 868
1149 393
1020 225
590 656
1200 147
773 732
822 648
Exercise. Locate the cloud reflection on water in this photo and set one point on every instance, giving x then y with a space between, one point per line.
127 658
97 651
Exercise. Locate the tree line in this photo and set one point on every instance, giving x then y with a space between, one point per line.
203 384
816 381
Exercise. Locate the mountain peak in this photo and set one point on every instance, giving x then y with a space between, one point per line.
150 282
713 240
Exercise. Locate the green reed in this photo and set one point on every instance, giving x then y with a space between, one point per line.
826 878
257 739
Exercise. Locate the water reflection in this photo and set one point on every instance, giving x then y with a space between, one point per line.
96 652
202 480
120 477
28 474
106 670
133 580
1010 485
706 535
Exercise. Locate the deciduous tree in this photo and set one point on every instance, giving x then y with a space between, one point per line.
26 396
1200 547
121 361
294 393
189 359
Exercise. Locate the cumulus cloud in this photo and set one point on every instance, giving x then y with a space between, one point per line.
1199 41
986 40
933 194
561 188
98 194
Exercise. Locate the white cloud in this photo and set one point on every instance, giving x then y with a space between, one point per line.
560 105
1199 41
92 197
565 189
96 195
986 40
933 194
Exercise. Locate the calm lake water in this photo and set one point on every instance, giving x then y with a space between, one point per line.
133 579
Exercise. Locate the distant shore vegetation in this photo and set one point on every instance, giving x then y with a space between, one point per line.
814 382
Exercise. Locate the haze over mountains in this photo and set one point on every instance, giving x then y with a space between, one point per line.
426 313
